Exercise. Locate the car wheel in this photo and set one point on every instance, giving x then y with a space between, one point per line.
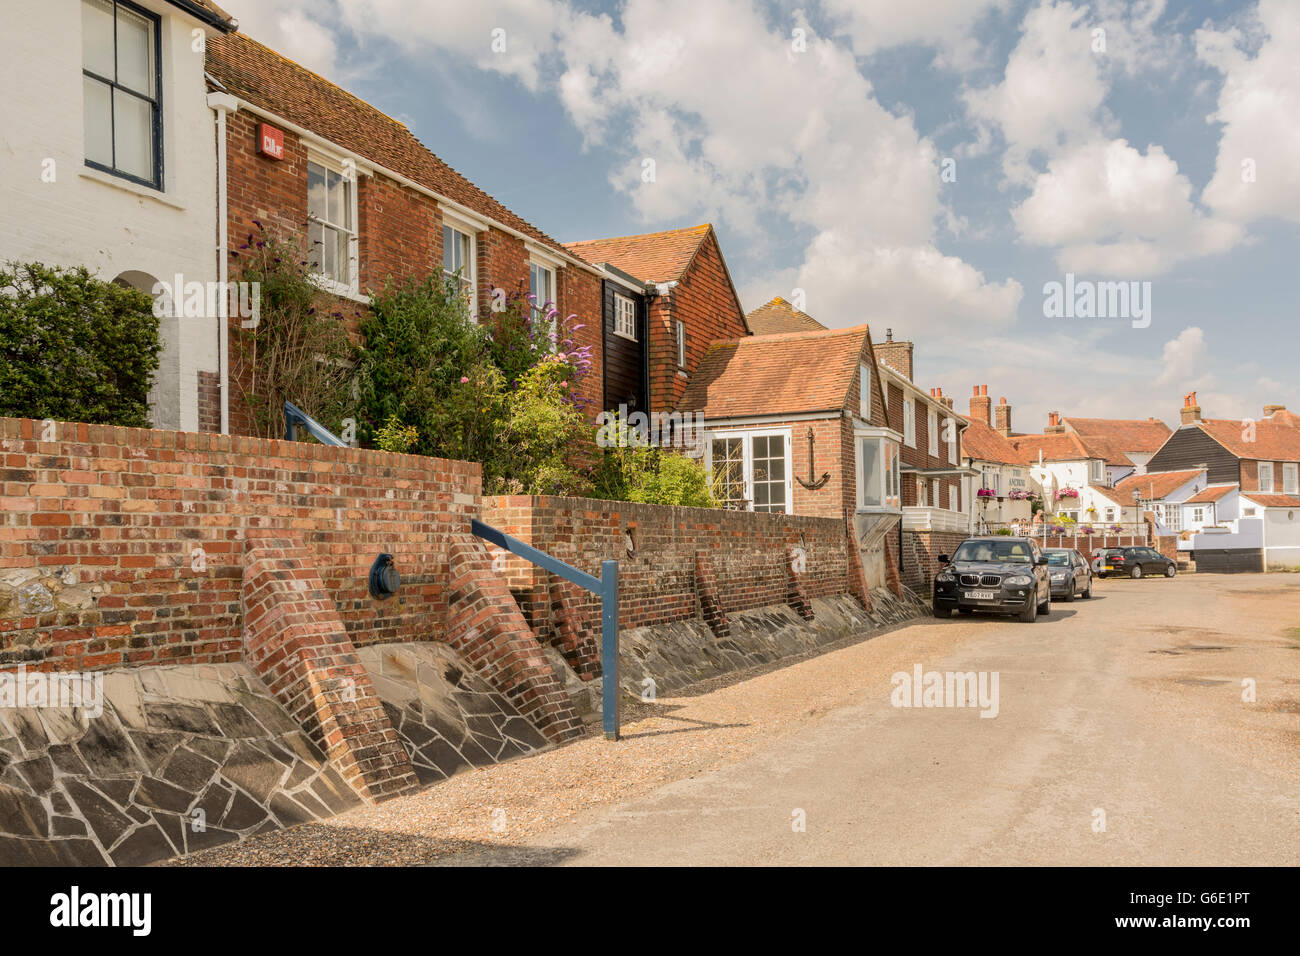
1170 571
1136 572
942 611
1030 613
1069 595
1088 593
1045 608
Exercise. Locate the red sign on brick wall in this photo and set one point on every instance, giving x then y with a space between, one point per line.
270 141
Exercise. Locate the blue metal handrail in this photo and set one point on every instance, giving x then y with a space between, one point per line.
295 417
606 586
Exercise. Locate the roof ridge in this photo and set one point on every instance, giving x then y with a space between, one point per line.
642 235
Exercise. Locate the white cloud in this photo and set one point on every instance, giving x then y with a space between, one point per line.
1110 209
1258 106
1183 360
947 25
294 28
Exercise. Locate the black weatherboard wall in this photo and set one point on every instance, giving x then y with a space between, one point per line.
626 368
1191 448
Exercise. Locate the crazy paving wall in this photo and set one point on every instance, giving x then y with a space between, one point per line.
129 550
702 591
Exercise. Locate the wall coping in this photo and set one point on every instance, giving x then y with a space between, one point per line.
679 513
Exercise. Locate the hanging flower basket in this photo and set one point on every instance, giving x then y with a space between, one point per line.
1067 493
1023 496
986 493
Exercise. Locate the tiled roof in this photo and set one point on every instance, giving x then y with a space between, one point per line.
1272 441
1125 434
986 444
1066 446
1284 417
651 257
780 316
1273 501
261 76
1211 493
776 374
1112 494
1155 485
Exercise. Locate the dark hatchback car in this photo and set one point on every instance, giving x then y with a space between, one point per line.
1136 562
1069 574
1001 574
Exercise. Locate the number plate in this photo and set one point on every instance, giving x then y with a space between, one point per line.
1110 567
982 595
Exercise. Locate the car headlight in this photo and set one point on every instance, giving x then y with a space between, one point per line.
946 577
1019 581
1058 576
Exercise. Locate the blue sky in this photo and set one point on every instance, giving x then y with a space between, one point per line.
1106 139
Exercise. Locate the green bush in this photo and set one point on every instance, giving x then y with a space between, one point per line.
74 347
630 469
500 393
299 350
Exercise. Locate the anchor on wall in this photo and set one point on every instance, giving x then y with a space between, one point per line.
812 470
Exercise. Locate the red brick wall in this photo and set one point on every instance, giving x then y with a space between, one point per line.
123 511
746 551
704 300
399 237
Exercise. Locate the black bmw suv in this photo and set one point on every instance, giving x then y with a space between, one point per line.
1001 574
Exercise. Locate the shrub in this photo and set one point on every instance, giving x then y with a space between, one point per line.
630 469
75 347
395 436
299 350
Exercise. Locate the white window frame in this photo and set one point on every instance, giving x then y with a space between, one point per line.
864 391
888 490
949 423
552 301
469 272
934 493
1290 478
622 302
346 168
909 421
932 435
747 436
1265 468
115 85
1198 514
681 345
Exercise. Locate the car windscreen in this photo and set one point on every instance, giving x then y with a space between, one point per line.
1060 559
1012 552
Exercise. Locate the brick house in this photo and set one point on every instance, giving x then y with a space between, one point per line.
655 338
126 192
300 155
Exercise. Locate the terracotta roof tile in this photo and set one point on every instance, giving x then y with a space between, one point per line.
780 316
1155 485
1066 446
263 77
986 444
650 257
1124 433
1273 441
1273 501
776 374
1211 493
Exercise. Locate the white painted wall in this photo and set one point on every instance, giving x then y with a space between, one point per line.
1281 538
85 217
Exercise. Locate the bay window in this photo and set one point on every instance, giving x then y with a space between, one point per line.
751 469
120 80
878 469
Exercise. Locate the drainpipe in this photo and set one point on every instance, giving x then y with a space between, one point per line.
221 104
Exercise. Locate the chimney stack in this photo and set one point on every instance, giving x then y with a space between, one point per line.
1054 426
1190 412
897 355
979 405
1003 416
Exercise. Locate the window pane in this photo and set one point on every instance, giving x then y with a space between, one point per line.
97 37
133 135
338 199
316 191
98 119
315 234
134 52
870 478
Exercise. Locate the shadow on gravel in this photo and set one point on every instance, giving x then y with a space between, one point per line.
699 725
321 845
